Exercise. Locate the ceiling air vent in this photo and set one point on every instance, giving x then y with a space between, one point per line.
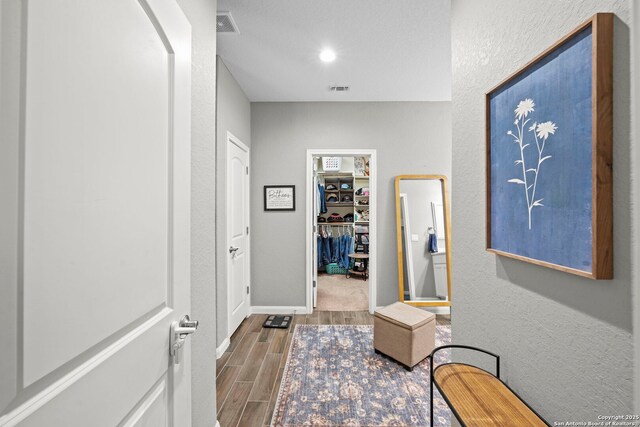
225 23
336 88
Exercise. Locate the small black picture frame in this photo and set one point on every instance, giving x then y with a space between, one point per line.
279 197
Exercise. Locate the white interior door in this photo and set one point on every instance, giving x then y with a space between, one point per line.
238 266
94 218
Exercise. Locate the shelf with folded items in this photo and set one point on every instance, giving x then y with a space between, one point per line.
337 223
340 186
339 212
361 188
336 175
339 198
339 204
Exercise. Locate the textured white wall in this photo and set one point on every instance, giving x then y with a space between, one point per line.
202 15
636 142
566 341
233 114
411 137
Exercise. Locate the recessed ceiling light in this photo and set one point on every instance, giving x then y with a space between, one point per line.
327 55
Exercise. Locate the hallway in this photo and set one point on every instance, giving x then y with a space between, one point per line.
250 371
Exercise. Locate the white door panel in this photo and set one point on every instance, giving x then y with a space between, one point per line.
237 171
238 278
88 185
237 231
125 371
153 410
95 174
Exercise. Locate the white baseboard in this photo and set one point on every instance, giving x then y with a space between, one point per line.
273 309
223 347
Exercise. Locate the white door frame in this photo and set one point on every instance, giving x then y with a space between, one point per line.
373 217
232 139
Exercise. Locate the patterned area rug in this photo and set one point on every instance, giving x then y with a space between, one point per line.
334 378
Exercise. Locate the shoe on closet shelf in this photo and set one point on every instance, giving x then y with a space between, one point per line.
335 217
362 215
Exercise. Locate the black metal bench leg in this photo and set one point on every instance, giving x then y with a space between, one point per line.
431 391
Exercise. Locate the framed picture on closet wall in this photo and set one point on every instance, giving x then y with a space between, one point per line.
279 197
549 156
360 166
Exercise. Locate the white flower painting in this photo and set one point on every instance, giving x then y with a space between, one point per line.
540 135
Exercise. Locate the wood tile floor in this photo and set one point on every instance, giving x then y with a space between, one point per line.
249 373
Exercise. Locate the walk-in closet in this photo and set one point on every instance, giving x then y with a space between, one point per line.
341 229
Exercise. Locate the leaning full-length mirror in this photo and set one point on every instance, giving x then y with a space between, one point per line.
424 256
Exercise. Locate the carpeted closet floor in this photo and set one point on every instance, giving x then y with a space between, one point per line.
337 293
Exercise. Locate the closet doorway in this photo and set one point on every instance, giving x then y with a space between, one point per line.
341 230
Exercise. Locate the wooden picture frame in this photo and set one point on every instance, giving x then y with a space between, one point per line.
447 232
571 219
279 197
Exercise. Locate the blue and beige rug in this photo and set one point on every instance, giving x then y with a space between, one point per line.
334 378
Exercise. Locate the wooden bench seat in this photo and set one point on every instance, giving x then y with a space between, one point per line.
478 398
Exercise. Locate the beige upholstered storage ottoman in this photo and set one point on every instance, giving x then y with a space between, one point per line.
405 333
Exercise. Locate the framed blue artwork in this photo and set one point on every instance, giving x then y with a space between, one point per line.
549 156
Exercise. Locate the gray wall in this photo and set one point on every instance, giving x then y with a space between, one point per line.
636 141
202 15
233 115
566 341
411 137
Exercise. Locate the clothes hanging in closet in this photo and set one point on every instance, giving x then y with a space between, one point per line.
346 249
324 250
334 249
320 199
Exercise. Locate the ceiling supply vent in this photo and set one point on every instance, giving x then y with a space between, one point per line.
225 23
338 88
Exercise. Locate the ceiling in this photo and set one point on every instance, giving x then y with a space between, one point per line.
386 50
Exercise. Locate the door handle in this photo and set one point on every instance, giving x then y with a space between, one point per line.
179 332
233 249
